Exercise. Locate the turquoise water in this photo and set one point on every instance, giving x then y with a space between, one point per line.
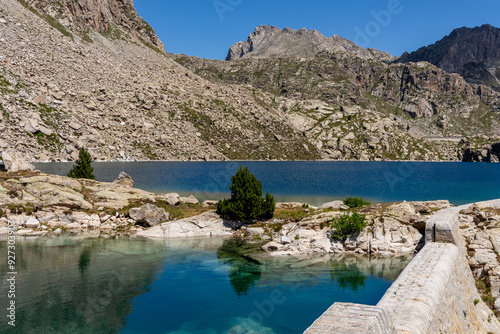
314 182
184 286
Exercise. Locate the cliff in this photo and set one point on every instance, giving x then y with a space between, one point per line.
474 53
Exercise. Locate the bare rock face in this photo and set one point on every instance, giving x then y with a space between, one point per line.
268 41
206 224
472 52
473 151
124 179
14 162
149 214
99 15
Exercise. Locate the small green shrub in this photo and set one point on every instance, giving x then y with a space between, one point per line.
347 225
355 202
246 202
82 169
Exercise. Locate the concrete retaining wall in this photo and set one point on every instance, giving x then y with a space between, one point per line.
435 293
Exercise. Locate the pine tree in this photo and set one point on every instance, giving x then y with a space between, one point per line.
82 169
246 202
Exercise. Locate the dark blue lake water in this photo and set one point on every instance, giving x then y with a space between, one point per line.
188 286
314 182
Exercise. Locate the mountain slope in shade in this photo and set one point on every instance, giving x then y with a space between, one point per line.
474 53
268 41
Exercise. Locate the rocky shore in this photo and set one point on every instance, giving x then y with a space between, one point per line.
34 204
38 204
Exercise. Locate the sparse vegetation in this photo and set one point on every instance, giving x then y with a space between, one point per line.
347 225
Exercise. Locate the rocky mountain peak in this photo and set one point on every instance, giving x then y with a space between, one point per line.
98 15
472 52
269 41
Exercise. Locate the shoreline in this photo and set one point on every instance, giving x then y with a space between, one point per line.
209 161
43 205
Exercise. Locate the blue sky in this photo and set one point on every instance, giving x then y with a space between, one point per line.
207 28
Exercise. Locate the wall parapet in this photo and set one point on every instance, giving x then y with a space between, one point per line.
435 293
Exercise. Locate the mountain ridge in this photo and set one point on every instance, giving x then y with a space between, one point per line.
269 41
473 53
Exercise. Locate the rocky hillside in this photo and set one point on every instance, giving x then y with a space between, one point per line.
103 17
269 41
474 53
352 107
89 73
122 97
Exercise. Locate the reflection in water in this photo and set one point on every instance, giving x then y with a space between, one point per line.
84 260
347 275
71 286
195 286
245 270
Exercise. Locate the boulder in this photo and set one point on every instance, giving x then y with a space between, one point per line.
149 214
172 198
188 200
124 179
334 205
15 162
32 222
255 230
288 205
205 224
403 212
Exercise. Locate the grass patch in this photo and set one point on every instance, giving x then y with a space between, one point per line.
485 292
113 33
50 142
49 19
86 38
146 150
293 215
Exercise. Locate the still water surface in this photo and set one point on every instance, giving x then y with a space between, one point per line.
314 182
198 286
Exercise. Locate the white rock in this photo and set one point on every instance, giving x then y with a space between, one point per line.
188 200
32 222
255 230
285 240
15 162
334 205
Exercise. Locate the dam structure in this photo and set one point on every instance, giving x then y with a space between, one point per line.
436 293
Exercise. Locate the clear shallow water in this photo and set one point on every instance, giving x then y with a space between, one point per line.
199 286
314 182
